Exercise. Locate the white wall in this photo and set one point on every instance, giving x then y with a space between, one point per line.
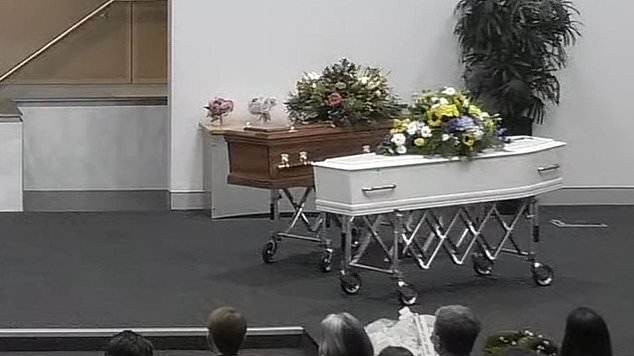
595 117
74 148
250 48
244 48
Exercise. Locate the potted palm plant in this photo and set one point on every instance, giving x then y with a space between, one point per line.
512 51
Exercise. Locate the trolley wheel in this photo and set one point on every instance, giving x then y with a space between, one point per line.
543 275
406 293
482 266
325 264
269 250
350 282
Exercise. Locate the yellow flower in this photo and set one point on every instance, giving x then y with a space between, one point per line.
474 111
449 110
400 125
420 142
433 120
468 140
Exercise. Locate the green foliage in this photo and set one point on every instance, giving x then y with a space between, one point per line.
512 50
345 94
498 344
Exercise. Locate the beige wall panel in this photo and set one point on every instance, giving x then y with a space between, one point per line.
98 52
25 25
149 41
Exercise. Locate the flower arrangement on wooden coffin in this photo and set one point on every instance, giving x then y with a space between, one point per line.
261 107
344 94
499 344
218 108
443 122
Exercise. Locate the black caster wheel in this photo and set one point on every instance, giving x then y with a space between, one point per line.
406 293
325 264
543 275
268 251
482 266
350 282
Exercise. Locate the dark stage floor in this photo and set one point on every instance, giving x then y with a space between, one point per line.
171 269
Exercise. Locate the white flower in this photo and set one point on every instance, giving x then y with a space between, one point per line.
399 139
444 101
425 131
484 115
435 106
466 103
445 137
435 99
412 128
364 80
401 150
378 93
449 91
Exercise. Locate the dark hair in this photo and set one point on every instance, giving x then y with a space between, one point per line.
395 351
456 328
227 328
344 335
129 343
586 335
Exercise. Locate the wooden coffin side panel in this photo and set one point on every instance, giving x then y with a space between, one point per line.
255 159
382 190
252 171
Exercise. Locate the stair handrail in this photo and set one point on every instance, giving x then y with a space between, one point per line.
57 38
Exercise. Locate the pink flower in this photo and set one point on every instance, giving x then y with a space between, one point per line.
335 99
219 107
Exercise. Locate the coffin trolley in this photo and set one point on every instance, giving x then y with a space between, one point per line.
438 204
280 159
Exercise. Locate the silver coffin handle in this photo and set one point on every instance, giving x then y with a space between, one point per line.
552 167
378 188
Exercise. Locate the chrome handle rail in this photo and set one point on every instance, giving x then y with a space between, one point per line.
552 167
378 188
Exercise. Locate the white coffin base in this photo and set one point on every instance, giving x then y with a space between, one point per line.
373 184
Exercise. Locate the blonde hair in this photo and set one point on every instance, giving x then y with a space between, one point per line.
344 335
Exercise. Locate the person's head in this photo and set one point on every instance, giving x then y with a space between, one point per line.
586 335
129 343
343 335
227 328
395 351
455 330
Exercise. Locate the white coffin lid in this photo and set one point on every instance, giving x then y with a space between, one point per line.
519 145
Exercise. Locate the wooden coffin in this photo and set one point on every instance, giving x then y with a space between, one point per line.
373 184
275 158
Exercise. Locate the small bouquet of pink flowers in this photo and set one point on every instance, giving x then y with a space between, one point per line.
218 108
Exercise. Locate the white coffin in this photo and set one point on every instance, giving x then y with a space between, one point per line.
373 184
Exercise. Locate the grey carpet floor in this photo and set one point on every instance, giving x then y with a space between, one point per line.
172 268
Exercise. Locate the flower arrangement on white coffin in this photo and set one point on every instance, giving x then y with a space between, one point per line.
261 107
218 108
443 122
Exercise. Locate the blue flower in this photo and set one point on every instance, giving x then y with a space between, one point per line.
460 124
